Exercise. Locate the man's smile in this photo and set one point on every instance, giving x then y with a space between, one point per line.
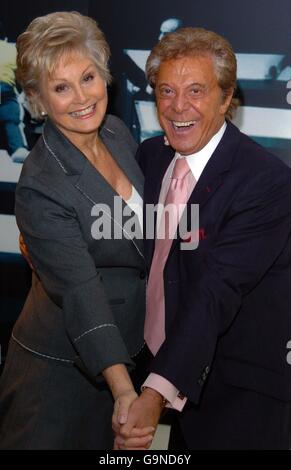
180 126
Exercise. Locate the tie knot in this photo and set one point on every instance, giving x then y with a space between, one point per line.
181 168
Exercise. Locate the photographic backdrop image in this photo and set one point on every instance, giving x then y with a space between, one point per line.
18 134
259 32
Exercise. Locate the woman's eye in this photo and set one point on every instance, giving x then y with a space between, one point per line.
88 77
60 88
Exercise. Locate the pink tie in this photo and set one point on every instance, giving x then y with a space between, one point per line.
154 331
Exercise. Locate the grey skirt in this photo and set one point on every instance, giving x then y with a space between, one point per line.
47 405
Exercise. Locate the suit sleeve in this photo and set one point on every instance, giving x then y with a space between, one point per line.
67 271
254 234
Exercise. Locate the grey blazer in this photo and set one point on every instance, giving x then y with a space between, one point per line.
87 302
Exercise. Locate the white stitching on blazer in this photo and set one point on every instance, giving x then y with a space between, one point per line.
40 354
54 155
96 328
109 130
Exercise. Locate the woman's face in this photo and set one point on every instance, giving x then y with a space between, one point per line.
75 97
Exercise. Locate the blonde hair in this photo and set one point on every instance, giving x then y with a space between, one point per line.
50 37
195 42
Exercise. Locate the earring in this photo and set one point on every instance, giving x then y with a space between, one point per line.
166 142
43 113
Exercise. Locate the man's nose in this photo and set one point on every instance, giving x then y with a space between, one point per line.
180 103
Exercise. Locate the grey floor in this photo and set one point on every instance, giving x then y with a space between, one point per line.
161 438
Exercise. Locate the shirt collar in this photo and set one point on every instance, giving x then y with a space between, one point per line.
197 161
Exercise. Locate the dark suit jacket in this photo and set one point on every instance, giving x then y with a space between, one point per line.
228 303
87 306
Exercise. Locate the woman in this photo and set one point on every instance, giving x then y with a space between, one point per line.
82 323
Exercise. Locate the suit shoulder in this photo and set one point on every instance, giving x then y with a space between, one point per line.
149 150
259 159
154 143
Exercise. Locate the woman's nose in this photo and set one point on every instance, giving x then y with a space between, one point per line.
80 95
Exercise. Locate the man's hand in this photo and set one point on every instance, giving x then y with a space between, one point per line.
144 413
120 415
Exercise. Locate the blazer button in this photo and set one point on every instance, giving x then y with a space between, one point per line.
142 275
200 382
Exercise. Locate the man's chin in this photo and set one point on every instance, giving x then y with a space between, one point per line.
182 147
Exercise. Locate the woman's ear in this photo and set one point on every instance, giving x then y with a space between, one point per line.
36 103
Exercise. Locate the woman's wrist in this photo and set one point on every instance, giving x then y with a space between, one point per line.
118 380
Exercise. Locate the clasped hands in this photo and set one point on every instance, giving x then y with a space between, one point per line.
135 419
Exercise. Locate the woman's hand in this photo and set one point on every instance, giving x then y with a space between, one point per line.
124 395
141 438
144 414
121 408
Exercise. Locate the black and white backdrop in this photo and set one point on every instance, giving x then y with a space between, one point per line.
260 33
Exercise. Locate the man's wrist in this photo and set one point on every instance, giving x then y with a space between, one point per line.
155 395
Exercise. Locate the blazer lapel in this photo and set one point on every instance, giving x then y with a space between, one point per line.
123 156
87 179
96 189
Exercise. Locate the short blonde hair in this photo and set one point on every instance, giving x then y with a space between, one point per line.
195 42
47 39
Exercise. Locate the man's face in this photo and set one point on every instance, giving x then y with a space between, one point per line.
191 107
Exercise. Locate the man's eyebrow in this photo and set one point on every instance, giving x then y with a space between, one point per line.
164 84
201 85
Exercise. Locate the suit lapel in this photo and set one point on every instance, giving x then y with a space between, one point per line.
213 174
153 188
155 174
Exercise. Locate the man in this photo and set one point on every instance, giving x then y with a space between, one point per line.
218 316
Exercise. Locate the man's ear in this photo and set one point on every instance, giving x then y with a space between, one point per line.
227 96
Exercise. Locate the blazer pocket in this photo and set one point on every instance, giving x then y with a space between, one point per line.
116 301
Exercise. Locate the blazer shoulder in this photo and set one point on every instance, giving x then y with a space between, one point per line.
113 126
36 160
259 159
42 179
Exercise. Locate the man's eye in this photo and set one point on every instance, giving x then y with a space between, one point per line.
196 91
60 88
166 91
